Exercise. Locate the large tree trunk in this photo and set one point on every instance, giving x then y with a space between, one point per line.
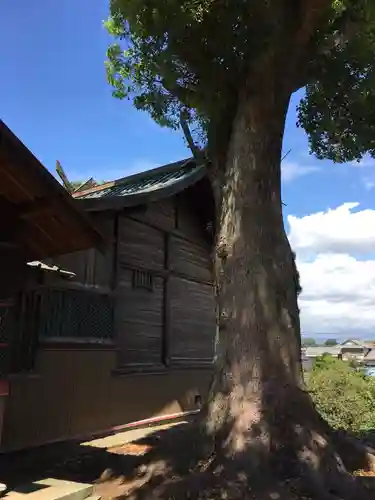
258 411
258 356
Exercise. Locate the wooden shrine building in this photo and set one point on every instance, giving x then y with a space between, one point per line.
121 335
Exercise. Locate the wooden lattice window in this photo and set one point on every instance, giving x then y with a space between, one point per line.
143 279
75 314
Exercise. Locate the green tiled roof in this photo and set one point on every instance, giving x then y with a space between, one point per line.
173 176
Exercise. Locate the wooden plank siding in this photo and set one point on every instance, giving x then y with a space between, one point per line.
161 214
190 260
192 321
91 268
139 321
71 312
139 245
187 220
139 311
171 321
174 323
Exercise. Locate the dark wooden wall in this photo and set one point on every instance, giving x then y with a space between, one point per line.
93 269
73 392
156 274
172 321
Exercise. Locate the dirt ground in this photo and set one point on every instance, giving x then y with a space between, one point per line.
144 464
140 477
150 468
104 462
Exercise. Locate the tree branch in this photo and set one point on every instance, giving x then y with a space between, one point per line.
313 14
198 154
183 94
343 31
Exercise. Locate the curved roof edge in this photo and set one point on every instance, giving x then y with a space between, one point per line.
145 187
33 198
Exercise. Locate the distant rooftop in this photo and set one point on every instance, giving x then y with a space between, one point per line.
315 351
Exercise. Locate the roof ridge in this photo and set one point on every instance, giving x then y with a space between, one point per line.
145 174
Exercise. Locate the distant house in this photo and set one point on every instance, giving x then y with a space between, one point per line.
353 349
347 350
307 362
315 351
129 333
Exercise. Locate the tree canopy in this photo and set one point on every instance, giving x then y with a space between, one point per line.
344 396
330 342
309 342
191 55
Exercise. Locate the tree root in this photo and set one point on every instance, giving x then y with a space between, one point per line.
293 456
309 468
355 454
326 462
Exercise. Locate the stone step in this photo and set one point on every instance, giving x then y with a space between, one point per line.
51 489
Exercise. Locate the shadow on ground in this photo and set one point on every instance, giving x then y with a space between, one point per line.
156 466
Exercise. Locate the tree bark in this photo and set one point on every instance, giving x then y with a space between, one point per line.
259 348
258 411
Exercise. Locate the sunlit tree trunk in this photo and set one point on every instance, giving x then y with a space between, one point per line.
258 377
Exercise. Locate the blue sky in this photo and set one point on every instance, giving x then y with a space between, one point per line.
55 97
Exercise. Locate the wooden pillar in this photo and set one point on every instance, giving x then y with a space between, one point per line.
13 272
167 301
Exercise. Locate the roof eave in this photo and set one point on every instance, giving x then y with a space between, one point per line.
134 177
21 159
131 200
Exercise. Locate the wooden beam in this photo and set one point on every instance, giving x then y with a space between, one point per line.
15 229
176 207
167 301
9 244
15 213
63 177
165 273
90 267
35 207
32 180
114 281
11 227
115 252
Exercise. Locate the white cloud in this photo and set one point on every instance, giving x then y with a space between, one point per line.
291 170
338 294
339 230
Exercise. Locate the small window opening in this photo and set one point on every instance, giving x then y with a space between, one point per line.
143 279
